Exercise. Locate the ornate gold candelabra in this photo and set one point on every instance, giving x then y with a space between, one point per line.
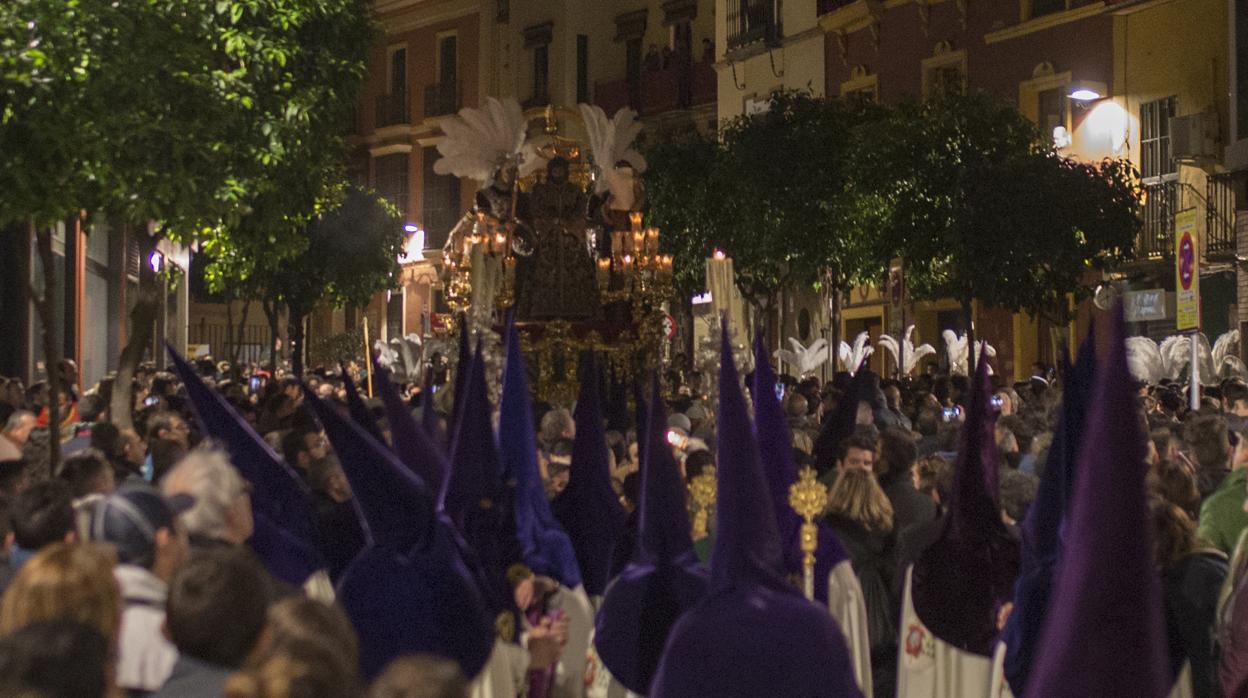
702 494
809 498
635 271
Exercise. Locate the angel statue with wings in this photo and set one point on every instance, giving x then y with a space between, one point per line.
617 186
490 144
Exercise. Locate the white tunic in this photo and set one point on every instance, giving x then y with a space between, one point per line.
504 675
849 608
928 667
570 676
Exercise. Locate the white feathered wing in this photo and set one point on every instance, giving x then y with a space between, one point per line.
480 140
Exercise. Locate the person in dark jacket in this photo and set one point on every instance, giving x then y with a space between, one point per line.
894 469
1191 580
861 516
215 614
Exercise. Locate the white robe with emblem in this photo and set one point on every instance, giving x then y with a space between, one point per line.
928 667
849 608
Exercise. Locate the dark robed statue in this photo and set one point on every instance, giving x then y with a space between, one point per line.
557 281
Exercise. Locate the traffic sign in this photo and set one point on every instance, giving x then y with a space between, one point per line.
1187 271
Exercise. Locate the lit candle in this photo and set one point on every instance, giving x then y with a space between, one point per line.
719 255
604 273
635 219
628 263
652 240
639 239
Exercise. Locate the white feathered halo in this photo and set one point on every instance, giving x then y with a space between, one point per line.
956 351
852 356
481 141
805 359
913 355
1151 362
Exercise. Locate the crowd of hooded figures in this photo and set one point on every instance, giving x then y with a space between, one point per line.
1077 534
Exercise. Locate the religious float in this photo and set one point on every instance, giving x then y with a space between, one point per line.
556 237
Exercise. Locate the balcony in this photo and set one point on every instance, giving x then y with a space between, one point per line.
658 92
753 22
1157 236
1220 216
441 99
393 110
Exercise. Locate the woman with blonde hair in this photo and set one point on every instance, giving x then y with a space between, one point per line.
67 582
861 516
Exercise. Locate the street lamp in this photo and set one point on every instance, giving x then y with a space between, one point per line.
1087 90
156 261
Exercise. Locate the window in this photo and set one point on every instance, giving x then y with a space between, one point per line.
582 69
1241 69
443 97
391 178
439 201
1052 114
1155 158
541 72
753 20
945 70
398 71
448 59
632 70
861 84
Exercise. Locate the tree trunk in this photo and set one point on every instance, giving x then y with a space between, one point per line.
970 337
294 325
270 313
142 316
238 336
51 348
229 328
834 348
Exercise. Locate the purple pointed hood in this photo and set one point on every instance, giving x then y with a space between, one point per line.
545 546
277 492
664 578
359 412
285 555
461 368
776 452
1105 634
410 442
475 497
961 581
753 634
1041 541
410 590
589 509
428 413
397 507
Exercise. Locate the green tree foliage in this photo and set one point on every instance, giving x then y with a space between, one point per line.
773 192
983 209
350 253
965 188
213 119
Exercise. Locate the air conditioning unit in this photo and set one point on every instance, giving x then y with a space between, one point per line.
1194 137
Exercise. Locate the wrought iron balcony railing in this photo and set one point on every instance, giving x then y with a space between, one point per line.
441 99
393 110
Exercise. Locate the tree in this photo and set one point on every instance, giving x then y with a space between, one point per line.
189 114
774 192
983 209
348 253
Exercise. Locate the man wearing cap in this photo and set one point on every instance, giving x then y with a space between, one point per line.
142 526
